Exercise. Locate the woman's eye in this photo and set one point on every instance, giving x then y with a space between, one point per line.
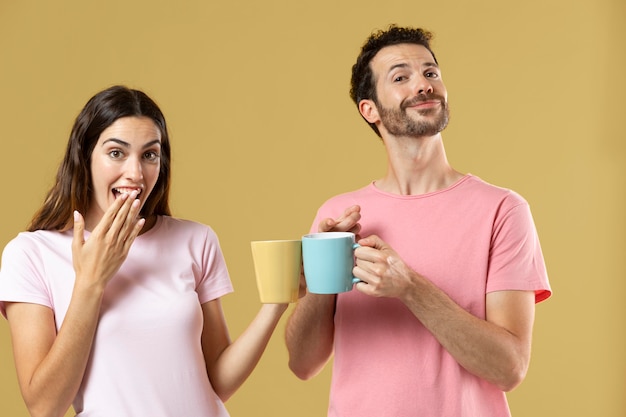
399 78
115 154
151 156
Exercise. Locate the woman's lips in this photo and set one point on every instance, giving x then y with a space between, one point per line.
118 191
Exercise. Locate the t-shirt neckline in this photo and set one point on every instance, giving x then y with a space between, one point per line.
372 186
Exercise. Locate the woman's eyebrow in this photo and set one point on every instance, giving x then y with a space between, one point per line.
118 141
127 145
154 142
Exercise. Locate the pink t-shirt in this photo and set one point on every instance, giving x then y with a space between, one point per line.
146 359
469 239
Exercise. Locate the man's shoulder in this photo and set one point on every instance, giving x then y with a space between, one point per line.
349 197
483 189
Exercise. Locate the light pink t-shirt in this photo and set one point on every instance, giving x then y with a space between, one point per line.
147 358
469 239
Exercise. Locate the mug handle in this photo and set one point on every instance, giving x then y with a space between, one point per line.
355 280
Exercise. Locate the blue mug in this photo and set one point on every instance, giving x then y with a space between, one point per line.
328 260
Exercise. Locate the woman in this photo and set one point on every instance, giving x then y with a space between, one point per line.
113 305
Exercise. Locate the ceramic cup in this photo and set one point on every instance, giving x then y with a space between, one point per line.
328 262
277 266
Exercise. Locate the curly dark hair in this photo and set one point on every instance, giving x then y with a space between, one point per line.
363 84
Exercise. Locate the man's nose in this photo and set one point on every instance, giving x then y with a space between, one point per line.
423 85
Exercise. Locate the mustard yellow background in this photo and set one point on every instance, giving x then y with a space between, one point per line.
263 131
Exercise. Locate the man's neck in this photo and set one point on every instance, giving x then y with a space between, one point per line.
416 166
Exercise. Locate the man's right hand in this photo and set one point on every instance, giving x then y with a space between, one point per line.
347 222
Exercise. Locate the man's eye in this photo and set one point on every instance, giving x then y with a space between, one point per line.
399 78
432 75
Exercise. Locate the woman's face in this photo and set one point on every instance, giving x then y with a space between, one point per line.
127 157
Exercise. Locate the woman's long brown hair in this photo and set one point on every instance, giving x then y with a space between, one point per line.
73 187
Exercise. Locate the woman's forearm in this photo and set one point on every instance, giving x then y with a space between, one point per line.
51 366
238 360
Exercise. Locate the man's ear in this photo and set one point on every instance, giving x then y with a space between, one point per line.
369 111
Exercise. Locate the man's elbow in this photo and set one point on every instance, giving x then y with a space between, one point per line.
303 371
513 378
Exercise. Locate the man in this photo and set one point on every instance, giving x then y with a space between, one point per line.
451 266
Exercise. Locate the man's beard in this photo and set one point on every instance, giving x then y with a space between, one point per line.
399 123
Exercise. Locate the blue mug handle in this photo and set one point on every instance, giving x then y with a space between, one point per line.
355 280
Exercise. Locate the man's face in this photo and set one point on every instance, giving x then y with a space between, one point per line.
411 97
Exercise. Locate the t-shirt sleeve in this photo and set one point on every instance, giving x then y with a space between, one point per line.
516 261
316 220
214 280
21 275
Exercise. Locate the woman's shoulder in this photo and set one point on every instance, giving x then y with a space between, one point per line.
38 239
173 226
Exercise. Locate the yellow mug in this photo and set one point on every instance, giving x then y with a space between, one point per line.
277 265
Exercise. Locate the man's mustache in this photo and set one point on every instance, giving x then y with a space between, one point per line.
422 98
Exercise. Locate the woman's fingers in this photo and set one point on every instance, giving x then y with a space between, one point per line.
79 230
120 220
134 233
98 258
126 218
79 237
109 215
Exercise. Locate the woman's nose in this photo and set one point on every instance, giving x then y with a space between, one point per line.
134 170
